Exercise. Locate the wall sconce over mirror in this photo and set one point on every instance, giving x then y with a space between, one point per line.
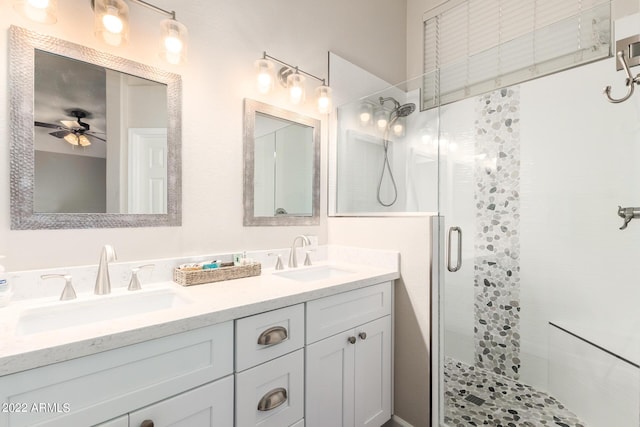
41 11
95 139
293 79
111 23
281 166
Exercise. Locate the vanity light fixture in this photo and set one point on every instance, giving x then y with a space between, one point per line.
42 11
380 118
365 113
292 78
111 24
111 21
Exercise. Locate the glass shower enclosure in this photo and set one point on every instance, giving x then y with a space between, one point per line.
535 282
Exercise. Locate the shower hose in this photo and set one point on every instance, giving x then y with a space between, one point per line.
387 166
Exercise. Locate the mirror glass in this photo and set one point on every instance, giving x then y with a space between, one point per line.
85 163
95 139
282 156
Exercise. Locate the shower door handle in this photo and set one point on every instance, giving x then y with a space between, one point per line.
459 254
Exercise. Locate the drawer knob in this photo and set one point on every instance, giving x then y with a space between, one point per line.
363 335
352 340
146 423
272 399
272 336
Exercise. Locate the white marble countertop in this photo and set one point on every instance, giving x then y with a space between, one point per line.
210 304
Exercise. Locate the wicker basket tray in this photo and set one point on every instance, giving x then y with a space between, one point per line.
198 277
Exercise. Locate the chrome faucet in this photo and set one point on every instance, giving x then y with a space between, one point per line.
103 284
293 260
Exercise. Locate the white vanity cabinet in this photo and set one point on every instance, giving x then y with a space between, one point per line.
348 359
270 368
94 389
210 405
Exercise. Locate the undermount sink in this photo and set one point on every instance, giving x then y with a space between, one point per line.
94 309
309 274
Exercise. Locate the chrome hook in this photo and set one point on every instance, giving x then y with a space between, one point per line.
630 81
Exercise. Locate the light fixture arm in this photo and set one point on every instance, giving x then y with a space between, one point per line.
170 13
293 67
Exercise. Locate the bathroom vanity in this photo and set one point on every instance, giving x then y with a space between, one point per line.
271 350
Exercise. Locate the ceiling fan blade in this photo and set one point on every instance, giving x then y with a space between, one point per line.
92 135
60 133
47 125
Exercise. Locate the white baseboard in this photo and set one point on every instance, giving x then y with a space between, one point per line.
396 421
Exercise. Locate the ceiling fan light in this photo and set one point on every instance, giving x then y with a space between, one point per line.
111 21
84 141
72 139
42 11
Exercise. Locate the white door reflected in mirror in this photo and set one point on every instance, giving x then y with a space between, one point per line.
283 176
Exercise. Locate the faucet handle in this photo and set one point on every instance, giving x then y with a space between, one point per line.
68 292
134 283
279 265
307 257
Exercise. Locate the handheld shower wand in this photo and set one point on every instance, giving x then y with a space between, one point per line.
397 112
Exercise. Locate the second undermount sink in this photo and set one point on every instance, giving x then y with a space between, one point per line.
309 274
93 309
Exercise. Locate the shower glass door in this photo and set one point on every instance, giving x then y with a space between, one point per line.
539 324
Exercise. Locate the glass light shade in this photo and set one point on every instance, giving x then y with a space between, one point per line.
365 114
398 127
381 119
111 21
173 41
42 11
84 141
295 84
323 97
266 75
71 138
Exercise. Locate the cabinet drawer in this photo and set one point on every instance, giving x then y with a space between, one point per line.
266 336
99 386
282 379
210 405
331 315
122 421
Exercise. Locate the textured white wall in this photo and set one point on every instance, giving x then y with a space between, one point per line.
225 38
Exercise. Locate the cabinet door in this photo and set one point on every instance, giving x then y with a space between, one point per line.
330 382
208 406
373 373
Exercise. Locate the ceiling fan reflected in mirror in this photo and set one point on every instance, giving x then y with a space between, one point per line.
75 132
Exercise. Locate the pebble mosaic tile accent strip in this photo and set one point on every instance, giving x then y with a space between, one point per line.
497 240
506 402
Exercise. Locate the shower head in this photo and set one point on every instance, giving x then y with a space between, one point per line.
398 109
405 110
